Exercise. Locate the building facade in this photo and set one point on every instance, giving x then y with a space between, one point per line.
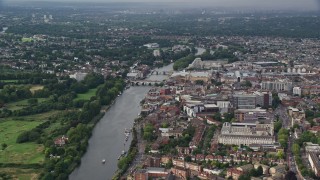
277 85
247 133
244 101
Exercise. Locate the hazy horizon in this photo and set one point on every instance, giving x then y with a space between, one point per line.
268 4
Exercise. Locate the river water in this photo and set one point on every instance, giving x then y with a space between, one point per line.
108 139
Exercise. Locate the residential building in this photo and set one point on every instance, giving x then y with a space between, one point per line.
310 147
245 168
277 85
199 64
78 76
180 172
314 161
141 174
247 133
280 169
297 91
244 101
263 99
234 173
251 115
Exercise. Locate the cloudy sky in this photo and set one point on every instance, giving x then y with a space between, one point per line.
274 4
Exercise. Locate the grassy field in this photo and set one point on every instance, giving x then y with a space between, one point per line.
26 39
21 104
36 117
22 174
88 95
10 81
35 88
24 153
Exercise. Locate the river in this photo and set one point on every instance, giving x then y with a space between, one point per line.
108 139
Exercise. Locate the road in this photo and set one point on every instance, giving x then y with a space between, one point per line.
281 111
140 156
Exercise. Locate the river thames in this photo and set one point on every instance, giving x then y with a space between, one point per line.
108 138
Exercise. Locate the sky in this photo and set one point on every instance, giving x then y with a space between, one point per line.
265 4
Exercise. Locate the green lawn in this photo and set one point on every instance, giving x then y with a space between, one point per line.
24 153
26 39
36 117
22 174
9 81
34 88
21 104
87 95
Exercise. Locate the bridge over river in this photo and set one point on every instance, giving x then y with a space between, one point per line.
145 82
158 72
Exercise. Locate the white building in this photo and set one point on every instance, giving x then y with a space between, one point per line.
310 147
78 76
278 85
247 133
156 53
297 91
223 104
315 163
151 45
199 64
193 109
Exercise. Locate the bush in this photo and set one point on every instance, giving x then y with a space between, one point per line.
33 136
23 137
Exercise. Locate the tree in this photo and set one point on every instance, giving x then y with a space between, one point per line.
34 135
280 155
148 133
187 158
295 126
199 82
276 100
296 149
33 101
246 84
169 165
217 116
290 176
23 137
244 177
92 80
4 146
260 171
147 149
277 126
254 173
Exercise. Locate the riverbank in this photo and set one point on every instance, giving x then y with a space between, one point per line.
108 139
124 162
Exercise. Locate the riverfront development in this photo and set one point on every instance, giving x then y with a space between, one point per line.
137 92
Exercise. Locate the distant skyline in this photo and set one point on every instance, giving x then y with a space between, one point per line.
266 4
